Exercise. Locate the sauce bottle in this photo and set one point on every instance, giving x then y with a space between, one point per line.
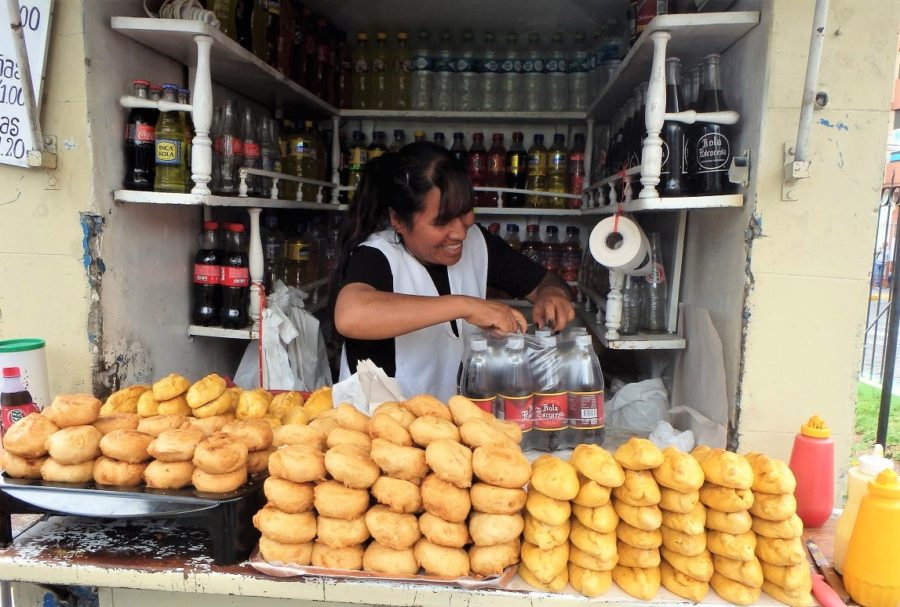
812 462
15 400
873 556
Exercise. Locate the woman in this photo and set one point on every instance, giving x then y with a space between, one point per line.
412 293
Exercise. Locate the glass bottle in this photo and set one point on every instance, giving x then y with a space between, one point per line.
711 142
632 305
537 171
270 155
226 151
674 167
655 290
251 152
187 123
140 143
516 171
171 173
398 142
273 252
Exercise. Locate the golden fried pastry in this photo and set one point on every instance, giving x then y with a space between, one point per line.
287 554
675 501
425 404
597 464
588 582
124 400
258 461
638 454
497 500
591 494
107 471
734 546
449 460
545 536
700 452
629 556
298 434
73 410
173 406
379 558
386 427
782 530
157 424
558 583
639 489
729 522
170 386
687 544
74 444
639 538
600 545
602 519
219 406
639 583
462 410
589 561
346 436
511 429
126 445
117 421
284 527
289 496
444 500
699 567
490 529
147 405
397 494
209 425
218 483
725 499
21 467
341 533
479 432
254 433
554 478
546 509
168 475
772 506
334 500
443 533
501 466
407 463
294 415
351 418
176 445
789 577
441 560
493 560
394 530
749 573
220 454
796 598
318 402
253 404
682 584
780 552
679 471
692 522
647 518
285 402
398 412
351 465
545 565
51 470
326 425
297 463
727 469
770 475
732 591
428 428
349 558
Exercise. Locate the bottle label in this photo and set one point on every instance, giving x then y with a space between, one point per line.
361 66
251 149
657 274
422 63
378 64
235 277
586 409
485 404
442 64
508 66
496 164
406 65
476 163
10 414
168 151
550 410
514 165
489 66
465 65
664 170
237 146
555 66
143 132
536 164
358 157
713 153
528 66
517 409
205 274
558 162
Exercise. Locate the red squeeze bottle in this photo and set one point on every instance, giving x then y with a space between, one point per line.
812 462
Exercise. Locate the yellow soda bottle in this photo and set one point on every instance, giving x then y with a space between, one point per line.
171 174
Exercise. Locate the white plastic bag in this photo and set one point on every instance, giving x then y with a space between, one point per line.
637 407
664 435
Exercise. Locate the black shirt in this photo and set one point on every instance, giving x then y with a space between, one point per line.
508 271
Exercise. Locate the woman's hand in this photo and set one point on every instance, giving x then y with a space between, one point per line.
552 306
494 316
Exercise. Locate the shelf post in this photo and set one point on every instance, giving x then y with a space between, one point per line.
201 114
651 156
335 158
614 305
255 255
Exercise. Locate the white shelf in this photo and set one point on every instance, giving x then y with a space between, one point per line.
635 170
435 116
231 64
641 341
139 197
491 211
725 201
693 37
201 331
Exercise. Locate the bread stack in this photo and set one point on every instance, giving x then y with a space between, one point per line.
167 396
686 563
778 529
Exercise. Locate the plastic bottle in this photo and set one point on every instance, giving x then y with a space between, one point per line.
15 400
858 479
458 149
235 278
140 143
578 75
399 140
533 75
359 155
344 72
873 556
575 180
207 290
512 236
422 74
585 393
361 83
251 157
514 398
511 77
488 89
556 81
551 250
273 251
570 262
465 76
418 135
171 172
550 398
477 381
656 291
379 76
442 95
378 145
557 172
494 229
537 171
812 462
476 168
305 160
531 246
225 11
496 169
439 140
401 74
674 167
516 171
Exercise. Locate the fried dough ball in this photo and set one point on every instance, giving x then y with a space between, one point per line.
326 425
74 444
218 483
629 556
285 402
770 475
341 533
349 558
386 427
639 454
688 544
21 467
692 522
638 537
734 546
729 522
600 545
545 536
501 466
51 470
173 406
425 404
126 445
699 567
73 410
220 454
397 494
725 499
679 471
170 386
288 554
589 561
638 582
124 400
253 404
493 560
256 434
591 494
289 496
397 531
727 469
441 560
444 500
589 582
796 598
258 461
496 500
602 519
782 530
350 417
732 591
398 412
490 529
334 500
777 551
771 506
285 527
379 558
176 445
298 434
790 577
428 428
351 465
554 478
407 463
546 509
147 405
647 518
346 436
669 499
168 475
294 415
449 460
545 564
297 463
219 406
558 583
749 573
462 410
478 432
157 424
511 429
108 471
597 464
683 585
443 533
117 421
318 402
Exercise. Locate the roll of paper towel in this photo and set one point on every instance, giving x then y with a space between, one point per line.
628 252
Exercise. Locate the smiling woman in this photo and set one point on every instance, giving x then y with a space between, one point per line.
414 270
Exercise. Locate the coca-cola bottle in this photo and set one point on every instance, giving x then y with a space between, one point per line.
531 246
15 400
514 399
476 381
551 250
226 152
476 167
252 154
584 387
711 142
550 398
674 166
458 149
516 171
570 259
496 169
207 278
140 143
235 278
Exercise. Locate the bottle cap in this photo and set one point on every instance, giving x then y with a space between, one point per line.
552 229
511 227
458 135
583 340
815 427
381 36
476 136
479 344
539 138
401 36
873 463
210 225
171 87
515 342
518 136
547 341
559 138
398 133
885 485
498 137
142 82
11 372
235 227
362 36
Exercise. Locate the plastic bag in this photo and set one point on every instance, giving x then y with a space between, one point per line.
664 435
637 407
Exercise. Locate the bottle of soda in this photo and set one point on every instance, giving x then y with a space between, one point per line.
516 171
439 140
422 75
710 142
557 171
515 398
140 143
494 229
359 155
674 167
401 70
512 236
537 172
531 246
171 171
235 278
476 167
551 250
584 387
15 400
379 76
251 157
476 381
207 278
273 251
656 296
576 172
378 145
226 151
361 82
570 262
187 123
458 149
496 169
465 77
399 140
550 398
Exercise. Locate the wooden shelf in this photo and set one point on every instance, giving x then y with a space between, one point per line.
230 63
670 204
693 37
435 116
139 197
641 341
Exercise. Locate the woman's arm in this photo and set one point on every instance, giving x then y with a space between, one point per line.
552 302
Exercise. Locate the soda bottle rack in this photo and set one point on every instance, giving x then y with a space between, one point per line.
459 116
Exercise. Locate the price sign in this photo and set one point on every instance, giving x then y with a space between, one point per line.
15 125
